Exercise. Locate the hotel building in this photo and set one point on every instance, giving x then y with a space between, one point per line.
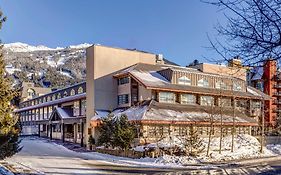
159 97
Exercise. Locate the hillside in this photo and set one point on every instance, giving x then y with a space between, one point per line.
46 67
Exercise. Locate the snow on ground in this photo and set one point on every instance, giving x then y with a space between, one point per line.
245 147
45 155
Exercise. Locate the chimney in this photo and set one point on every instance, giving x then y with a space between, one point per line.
159 59
235 62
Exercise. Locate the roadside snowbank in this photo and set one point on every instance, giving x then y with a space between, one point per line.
245 147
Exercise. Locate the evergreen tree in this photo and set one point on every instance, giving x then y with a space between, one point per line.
124 132
9 124
116 132
193 143
106 131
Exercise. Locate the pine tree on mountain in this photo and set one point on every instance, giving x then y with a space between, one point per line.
9 124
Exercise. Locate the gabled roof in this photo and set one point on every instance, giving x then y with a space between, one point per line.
62 113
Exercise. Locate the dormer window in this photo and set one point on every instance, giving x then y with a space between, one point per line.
184 81
203 83
220 85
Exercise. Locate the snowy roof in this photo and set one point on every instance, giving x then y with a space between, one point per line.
54 102
148 75
63 113
257 92
181 114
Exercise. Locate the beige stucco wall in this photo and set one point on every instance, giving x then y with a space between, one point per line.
102 63
238 72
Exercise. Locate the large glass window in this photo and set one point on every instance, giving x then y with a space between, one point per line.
123 99
167 97
207 100
123 80
184 80
203 83
224 102
188 99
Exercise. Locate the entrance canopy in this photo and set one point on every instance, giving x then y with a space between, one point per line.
65 115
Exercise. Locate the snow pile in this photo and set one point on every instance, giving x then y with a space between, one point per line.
245 146
177 160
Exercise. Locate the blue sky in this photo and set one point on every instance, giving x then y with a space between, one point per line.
177 29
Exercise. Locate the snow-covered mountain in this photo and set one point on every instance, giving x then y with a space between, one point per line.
54 67
22 47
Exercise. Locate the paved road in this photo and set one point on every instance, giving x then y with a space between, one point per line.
42 157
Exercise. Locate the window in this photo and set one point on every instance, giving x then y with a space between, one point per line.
207 100
220 85
80 90
124 80
241 104
72 92
237 87
188 99
54 97
203 83
65 94
83 107
167 97
50 110
76 109
59 96
184 80
256 104
224 102
123 99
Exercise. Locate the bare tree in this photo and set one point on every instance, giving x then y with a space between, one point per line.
253 30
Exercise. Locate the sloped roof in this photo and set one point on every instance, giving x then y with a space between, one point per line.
148 75
62 113
155 112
